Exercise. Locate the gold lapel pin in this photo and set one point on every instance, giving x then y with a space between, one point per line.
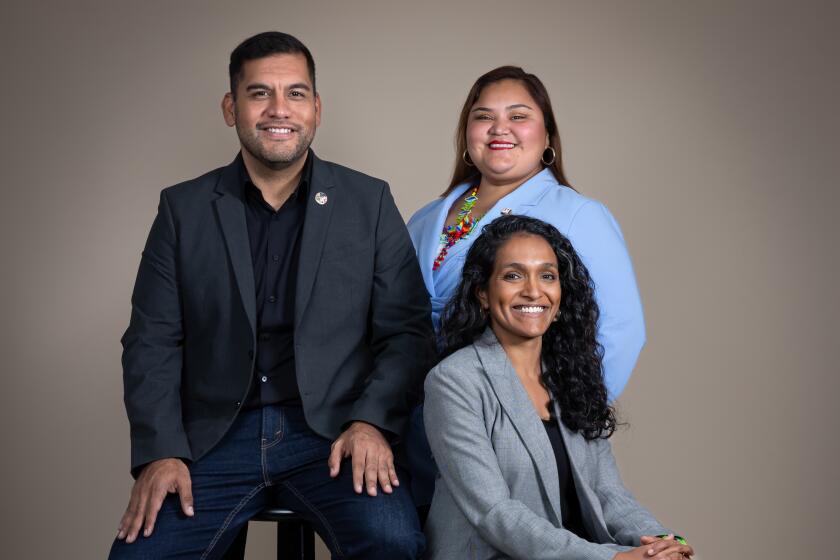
321 198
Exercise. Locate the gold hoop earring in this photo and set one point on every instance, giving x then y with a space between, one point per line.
557 317
465 157
553 156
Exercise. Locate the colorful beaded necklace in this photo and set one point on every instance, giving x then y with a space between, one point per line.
465 224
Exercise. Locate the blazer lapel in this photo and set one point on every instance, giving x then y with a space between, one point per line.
432 226
231 212
576 447
315 227
516 403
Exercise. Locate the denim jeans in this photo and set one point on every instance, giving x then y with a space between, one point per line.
423 468
270 457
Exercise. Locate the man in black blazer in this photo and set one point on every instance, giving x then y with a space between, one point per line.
279 337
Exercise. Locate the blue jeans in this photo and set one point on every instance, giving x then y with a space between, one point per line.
423 468
270 457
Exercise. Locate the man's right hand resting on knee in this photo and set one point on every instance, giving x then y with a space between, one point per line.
156 480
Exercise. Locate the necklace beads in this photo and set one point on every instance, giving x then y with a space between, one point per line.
462 228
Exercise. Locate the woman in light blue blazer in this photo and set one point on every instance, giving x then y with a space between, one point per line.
518 417
509 160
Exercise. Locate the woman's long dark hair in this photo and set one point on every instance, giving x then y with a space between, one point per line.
571 355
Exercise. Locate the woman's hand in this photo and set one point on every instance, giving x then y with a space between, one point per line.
656 548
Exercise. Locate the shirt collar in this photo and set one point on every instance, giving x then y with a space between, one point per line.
249 189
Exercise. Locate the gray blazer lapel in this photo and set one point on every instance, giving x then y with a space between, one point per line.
516 403
577 448
231 212
315 227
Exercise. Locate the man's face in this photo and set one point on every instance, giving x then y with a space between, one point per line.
275 111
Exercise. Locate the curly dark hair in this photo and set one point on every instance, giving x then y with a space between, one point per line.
571 355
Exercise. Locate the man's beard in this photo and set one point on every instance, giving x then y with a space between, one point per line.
279 157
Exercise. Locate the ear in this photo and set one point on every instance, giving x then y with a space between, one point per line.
481 294
317 110
228 112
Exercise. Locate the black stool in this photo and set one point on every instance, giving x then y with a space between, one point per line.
295 537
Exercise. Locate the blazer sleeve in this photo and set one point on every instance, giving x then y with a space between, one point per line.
400 326
597 238
625 518
152 350
468 466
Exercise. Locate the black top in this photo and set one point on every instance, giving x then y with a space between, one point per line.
275 244
569 503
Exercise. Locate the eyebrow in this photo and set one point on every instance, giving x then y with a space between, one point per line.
509 107
300 85
520 265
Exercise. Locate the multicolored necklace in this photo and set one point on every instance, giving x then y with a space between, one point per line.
462 228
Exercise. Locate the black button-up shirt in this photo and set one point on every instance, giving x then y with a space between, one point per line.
275 245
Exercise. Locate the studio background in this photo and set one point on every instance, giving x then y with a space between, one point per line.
708 128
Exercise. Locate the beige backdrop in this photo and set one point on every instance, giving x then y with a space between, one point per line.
709 129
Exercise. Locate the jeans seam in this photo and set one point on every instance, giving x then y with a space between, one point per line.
278 435
229 518
264 462
317 513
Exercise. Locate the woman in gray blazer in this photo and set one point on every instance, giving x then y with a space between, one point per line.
517 413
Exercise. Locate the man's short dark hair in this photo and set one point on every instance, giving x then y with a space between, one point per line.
263 45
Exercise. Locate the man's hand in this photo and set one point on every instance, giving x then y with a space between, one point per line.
371 455
156 480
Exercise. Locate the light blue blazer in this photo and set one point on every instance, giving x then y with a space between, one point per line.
596 237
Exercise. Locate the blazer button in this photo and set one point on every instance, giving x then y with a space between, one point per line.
237 404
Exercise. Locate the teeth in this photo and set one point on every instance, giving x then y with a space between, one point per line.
532 309
279 130
498 145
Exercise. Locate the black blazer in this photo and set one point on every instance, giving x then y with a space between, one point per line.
363 336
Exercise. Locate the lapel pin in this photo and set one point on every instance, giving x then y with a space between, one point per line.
321 198
506 211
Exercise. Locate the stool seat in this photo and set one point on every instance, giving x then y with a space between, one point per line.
276 514
295 537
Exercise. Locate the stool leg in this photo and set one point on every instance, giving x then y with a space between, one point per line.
236 551
295 541
307 538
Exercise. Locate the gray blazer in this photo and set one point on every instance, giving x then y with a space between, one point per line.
497 495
